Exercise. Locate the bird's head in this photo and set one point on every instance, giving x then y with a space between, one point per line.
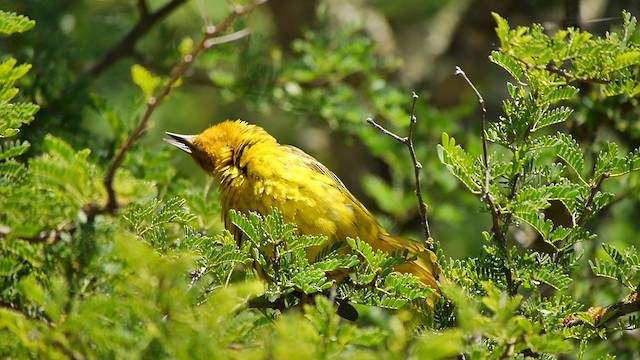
219 149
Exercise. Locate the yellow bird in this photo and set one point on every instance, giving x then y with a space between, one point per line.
256 173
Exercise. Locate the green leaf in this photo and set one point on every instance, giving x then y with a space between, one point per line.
229 254
629 27
626 59
68 175
248 226
13 23
147 81
569 151
554 116
605 268
445 345
508 63
553 275
459 163
14 115
623 267
560 93
530 214
544 142
502 29
11 149
311 280
553 343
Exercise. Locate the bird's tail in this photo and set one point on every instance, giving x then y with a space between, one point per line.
425 266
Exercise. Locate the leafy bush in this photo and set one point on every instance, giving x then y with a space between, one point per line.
110 255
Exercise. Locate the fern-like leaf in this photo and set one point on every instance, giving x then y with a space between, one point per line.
459 163
13 23
248 227
569 151
554 116
507 63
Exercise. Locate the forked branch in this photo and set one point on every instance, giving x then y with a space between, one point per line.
601 315
209 39
499 235
408 141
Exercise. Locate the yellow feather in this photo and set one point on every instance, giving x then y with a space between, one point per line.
256 173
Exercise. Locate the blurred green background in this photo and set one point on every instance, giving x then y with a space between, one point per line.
310 73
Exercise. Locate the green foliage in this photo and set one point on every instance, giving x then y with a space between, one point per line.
13 23
623 267
160 278
145 80
505 331
532 173
279 255
13 115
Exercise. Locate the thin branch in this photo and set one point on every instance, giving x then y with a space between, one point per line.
483 113
408 141
587 209
512 194
402 140
594 190
416 169
498 232
226 38
601 315
569 77
126 45
177 72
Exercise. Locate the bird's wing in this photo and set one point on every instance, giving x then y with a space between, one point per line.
425 266
315 165
311 163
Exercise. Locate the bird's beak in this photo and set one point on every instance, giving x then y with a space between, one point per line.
182 142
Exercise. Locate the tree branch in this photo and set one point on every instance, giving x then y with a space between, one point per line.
126 45
594 190
569 77
601 315
408 141
210 34
499 234
587 209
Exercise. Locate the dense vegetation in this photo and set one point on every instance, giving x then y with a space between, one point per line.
111 250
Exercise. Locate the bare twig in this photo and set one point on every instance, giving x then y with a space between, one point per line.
486 196
402 140
483 113
210 33
408 141
601 315
226 38
416 169
594 190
